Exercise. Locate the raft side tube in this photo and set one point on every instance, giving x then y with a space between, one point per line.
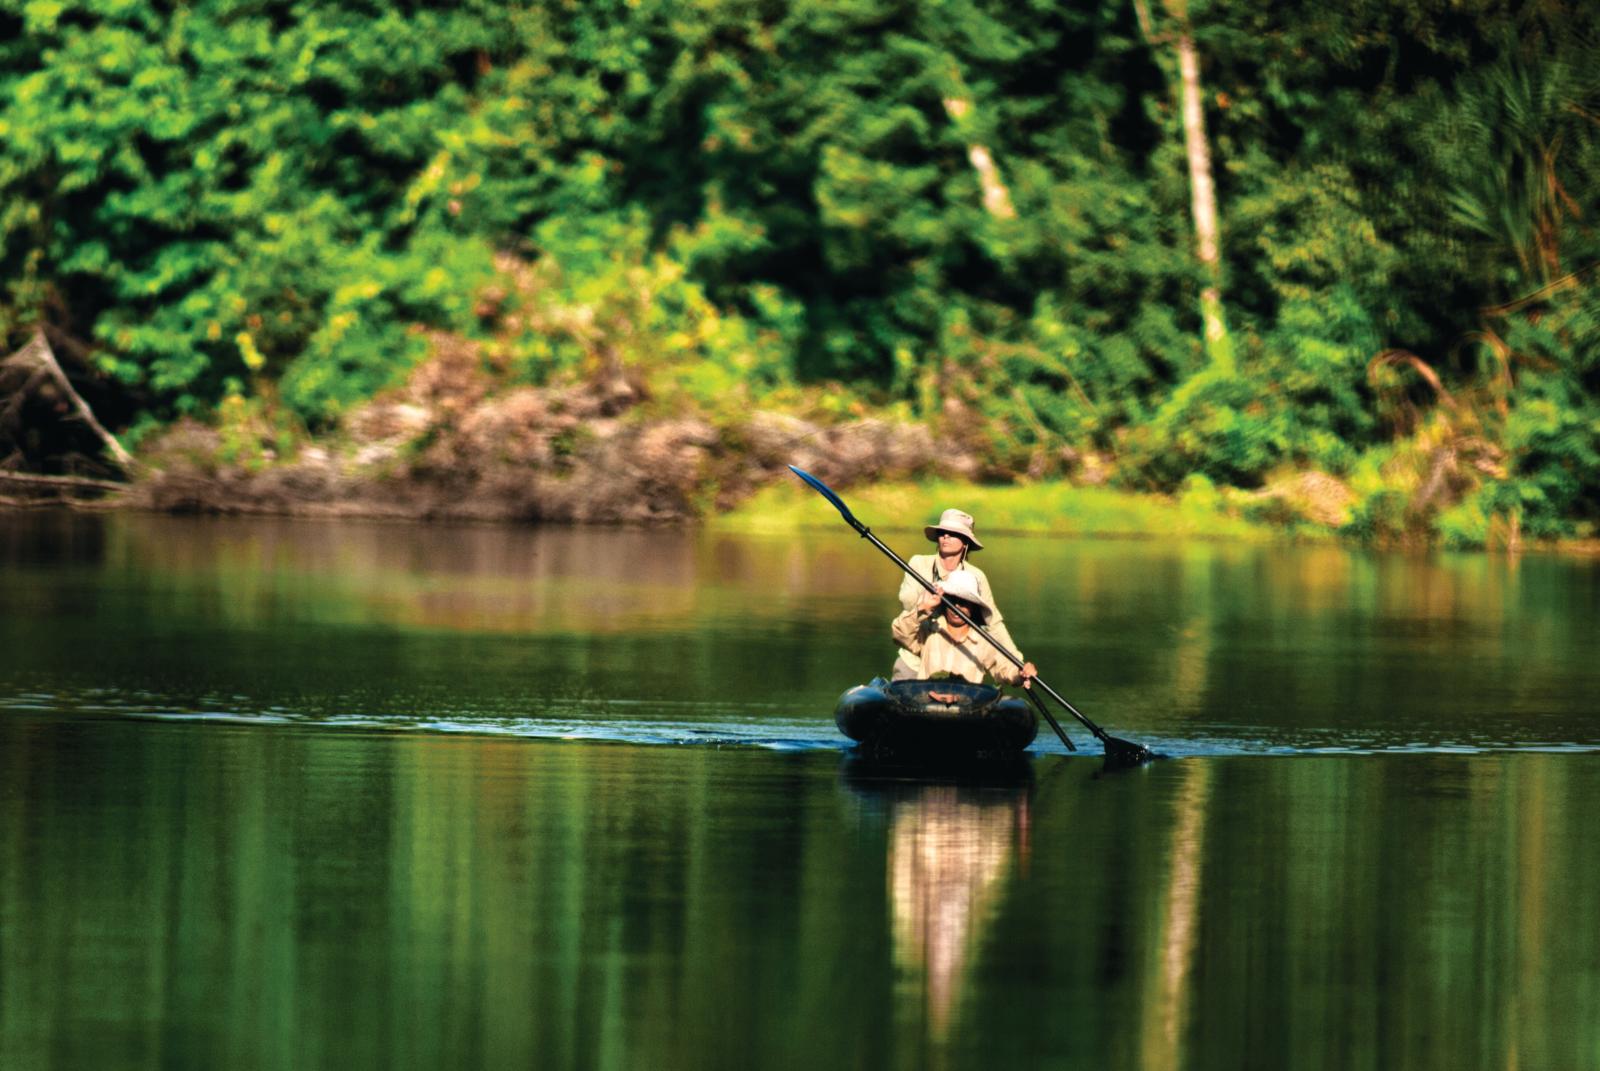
952 719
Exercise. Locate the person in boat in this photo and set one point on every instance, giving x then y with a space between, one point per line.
954 541
946 644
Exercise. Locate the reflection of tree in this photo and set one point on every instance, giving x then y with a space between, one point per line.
949 852
1168 989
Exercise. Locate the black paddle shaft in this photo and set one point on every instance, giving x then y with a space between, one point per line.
1119 751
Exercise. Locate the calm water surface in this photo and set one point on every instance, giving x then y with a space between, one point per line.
290 794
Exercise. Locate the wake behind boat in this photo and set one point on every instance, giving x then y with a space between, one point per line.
944 719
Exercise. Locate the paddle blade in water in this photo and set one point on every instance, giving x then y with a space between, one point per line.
1120 753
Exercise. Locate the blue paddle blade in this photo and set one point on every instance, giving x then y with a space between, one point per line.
826 492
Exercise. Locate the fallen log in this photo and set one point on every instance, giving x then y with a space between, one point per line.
37 353
70 483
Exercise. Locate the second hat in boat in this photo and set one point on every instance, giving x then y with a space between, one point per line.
963 585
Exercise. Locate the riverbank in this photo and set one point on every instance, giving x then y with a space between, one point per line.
462 440
557 456
553 457
318 486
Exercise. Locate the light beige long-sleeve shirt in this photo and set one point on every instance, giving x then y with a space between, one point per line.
926 636
908 666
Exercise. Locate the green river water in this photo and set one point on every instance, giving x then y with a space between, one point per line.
283 794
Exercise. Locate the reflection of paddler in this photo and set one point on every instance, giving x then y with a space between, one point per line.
955 540
946 644
949 852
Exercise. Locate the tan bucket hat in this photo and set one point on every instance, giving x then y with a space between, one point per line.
953 520
964 586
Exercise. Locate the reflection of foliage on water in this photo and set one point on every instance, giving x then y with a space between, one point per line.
285 899
487 578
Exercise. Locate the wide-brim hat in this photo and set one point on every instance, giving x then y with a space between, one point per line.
957 521
962 585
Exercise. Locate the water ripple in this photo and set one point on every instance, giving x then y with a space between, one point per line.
732 725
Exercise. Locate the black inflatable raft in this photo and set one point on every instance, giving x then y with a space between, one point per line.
935 719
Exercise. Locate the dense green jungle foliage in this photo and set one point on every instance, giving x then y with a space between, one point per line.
260 202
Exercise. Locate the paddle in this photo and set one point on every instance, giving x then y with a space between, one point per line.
1117 752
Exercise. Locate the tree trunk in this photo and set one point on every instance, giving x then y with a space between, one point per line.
1203 191
1204 196
996 198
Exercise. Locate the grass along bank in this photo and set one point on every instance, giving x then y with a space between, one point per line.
1049 508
